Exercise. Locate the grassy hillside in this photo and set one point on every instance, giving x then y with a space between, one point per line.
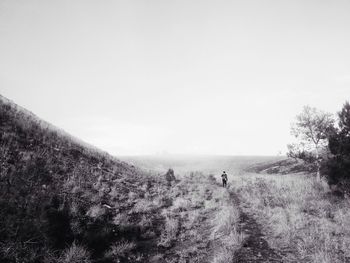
282 166
55 190
300 216
64 201
305 219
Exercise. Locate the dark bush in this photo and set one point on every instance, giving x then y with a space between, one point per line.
337 167
170 176
57 225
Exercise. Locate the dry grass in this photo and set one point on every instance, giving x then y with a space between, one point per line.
75 254
299 216
120 249
225 228
57 191
201 223
169 234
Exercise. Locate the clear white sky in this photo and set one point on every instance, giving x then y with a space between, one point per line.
207 77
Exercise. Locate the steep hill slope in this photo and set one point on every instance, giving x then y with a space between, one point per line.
55 190
62 201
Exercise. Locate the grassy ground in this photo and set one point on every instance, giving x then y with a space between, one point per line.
62 201
201 223
299 216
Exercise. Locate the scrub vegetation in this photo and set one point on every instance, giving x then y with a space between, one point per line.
64 201
300 216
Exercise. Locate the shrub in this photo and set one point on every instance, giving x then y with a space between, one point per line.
75 254
120 249
170 232
337 168
96 211
170 176
57 225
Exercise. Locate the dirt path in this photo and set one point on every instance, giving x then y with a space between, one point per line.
255 248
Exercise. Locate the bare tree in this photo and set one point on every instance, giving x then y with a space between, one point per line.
311 129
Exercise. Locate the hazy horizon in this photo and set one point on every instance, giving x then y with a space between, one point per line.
176 77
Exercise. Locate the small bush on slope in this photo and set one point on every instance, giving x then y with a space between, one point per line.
75 254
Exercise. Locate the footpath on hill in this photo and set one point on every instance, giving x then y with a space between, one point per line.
212 226
200 224
254 247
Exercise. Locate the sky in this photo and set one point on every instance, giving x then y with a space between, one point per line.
182 76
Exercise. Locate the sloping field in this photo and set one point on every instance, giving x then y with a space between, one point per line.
300 217
63 201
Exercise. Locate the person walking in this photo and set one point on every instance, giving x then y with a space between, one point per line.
224 179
